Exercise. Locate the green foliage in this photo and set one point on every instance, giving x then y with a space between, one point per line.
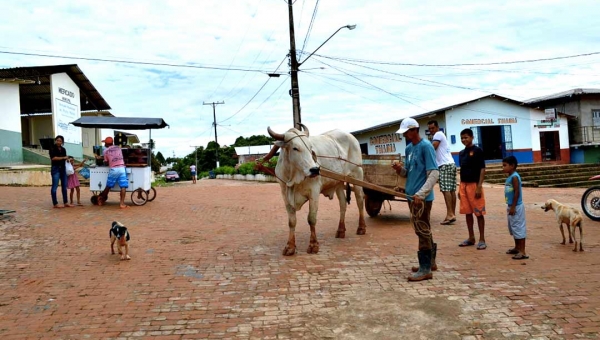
206 157
225 170
247 169
202 174
154 163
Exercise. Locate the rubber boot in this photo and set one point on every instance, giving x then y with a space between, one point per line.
433 263
424 272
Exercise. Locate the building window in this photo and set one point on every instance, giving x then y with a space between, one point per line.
596 118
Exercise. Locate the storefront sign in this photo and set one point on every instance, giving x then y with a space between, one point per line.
385 143
489 121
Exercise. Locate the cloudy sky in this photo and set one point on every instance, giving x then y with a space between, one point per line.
403 58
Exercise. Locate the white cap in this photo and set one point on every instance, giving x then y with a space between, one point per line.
407 124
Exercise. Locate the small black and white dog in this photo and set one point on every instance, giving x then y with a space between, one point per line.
119 232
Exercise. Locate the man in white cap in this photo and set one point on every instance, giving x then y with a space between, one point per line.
421 172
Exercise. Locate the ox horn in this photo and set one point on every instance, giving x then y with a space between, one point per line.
277 136
305 129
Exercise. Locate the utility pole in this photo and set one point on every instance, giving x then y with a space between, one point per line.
215 125
295 91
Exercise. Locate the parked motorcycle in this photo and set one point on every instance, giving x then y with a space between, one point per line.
590 201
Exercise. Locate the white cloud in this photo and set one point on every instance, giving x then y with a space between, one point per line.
253 34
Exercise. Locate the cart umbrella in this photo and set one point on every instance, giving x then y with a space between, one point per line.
125 123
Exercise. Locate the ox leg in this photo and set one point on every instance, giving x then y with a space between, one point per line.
313 206
360 202
290 248
341 231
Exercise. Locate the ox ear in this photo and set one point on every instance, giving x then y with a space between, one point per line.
279 143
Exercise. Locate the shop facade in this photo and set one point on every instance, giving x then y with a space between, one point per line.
501 127
39 103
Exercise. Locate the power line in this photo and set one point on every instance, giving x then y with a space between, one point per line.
377 87
310 25
269 96
460 64
136 62
254 96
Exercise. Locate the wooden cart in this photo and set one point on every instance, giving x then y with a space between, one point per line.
379 183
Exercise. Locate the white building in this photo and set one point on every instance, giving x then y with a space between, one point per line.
501 126
38 103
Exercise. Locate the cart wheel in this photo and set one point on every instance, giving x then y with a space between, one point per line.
94 200
151 194
139 197
373 206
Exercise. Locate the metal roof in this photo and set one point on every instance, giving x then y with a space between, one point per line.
125 123
434 113
561 95
34 87
253 150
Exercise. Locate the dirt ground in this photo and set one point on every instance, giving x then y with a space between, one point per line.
207 264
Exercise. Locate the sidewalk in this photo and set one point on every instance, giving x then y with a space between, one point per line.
207 264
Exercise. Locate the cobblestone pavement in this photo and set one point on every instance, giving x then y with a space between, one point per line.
206 263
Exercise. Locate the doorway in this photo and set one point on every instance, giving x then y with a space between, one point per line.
550 146
492 140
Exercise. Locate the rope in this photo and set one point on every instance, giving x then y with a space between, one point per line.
419 226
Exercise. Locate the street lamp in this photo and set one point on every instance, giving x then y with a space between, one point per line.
294 65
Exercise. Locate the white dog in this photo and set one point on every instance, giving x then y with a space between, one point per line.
571 217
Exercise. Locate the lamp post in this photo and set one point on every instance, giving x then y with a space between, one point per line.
294 65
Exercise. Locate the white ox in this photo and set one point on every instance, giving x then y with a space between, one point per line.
297 170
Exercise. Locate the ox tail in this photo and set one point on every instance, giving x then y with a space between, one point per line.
348 193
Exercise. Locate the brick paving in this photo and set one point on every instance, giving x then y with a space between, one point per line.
207 264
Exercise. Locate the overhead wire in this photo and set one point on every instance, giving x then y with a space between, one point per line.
462 64
256 108
236 53
254 96
374 86
310 25
195 66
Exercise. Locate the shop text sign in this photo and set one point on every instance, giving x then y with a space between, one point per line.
489 121
385 143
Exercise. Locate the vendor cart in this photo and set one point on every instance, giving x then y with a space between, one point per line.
137 161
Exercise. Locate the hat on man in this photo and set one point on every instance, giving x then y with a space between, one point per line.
108 140
407 124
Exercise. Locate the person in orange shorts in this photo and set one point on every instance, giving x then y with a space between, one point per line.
470 192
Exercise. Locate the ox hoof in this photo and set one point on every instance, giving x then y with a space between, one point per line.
313 249
340 234
361 231
289 251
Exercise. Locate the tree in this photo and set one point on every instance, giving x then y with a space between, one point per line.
160 158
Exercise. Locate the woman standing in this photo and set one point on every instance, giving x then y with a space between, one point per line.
58 156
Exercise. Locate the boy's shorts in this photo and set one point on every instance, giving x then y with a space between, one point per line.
516 222
468 203
117 175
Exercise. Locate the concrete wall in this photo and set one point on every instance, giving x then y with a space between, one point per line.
11 142
29 178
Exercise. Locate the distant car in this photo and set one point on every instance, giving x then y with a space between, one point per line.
172 176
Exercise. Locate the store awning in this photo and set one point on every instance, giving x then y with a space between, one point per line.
125 123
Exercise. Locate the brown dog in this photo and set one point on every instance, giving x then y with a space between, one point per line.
571 217
120 234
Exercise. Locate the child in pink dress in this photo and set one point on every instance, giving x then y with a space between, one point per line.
73 181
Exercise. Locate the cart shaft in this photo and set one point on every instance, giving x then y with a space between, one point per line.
360 183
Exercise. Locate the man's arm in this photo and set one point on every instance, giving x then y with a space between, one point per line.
432 178
435 144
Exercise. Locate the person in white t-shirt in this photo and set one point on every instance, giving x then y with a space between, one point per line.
193 172
447 168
